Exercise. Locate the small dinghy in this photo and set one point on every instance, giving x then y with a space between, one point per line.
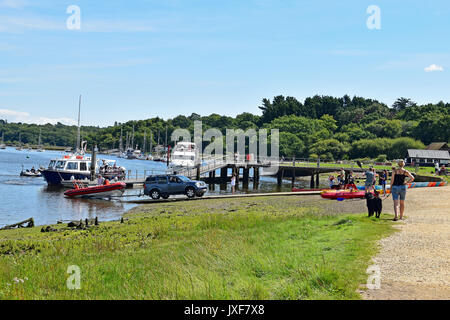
30 173
105 191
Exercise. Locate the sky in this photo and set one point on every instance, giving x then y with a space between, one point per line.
139 59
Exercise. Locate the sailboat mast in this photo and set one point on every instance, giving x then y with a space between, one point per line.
165 143
145 141
132 139
78 132
121 140
151 142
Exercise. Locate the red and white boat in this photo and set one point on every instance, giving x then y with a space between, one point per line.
105 191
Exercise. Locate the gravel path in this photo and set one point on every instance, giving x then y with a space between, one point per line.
415 262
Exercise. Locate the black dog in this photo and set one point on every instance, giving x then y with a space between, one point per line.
374 204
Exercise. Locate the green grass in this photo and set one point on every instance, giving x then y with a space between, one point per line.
259 248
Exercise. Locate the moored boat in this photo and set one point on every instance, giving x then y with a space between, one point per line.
184 154
31 173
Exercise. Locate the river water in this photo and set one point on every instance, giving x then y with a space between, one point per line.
22 198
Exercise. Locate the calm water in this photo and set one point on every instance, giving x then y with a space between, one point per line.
22 198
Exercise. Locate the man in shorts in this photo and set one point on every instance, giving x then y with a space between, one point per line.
370 179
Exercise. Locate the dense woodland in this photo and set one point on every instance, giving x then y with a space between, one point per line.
324 126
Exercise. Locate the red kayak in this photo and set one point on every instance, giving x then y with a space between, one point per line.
104 191
342 194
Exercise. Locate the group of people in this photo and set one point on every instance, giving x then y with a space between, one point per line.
101 181
342 181
400 179
442 171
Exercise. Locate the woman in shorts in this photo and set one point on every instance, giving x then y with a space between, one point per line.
398 188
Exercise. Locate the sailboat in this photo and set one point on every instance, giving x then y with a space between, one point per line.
39 145
19 148
122 154
3 145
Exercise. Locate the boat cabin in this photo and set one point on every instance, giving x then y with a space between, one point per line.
68 163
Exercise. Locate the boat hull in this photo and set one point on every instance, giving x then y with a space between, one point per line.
56 177
105 191
31 175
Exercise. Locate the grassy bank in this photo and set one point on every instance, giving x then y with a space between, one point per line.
258 248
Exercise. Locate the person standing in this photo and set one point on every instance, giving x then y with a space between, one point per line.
398 188
436 168
233 183
100 180
382 180
370 180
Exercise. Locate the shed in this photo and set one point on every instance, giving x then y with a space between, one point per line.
427 157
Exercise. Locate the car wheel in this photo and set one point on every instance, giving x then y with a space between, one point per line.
200 194
165 196
190 192
155 194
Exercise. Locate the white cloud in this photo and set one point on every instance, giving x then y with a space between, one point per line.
12 80
433 67
25 117
13 24
14 4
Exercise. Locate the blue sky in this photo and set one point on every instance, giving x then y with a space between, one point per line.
139 59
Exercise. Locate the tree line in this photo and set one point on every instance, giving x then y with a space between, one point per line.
322 126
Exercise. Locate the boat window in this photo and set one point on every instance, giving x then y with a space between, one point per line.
83 166
72 166
52 164
60 164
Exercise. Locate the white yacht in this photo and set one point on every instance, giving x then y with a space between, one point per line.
184 154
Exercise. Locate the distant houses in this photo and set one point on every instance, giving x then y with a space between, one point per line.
436 152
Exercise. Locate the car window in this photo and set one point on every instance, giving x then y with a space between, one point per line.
185 179
161 180
173 180
151 179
